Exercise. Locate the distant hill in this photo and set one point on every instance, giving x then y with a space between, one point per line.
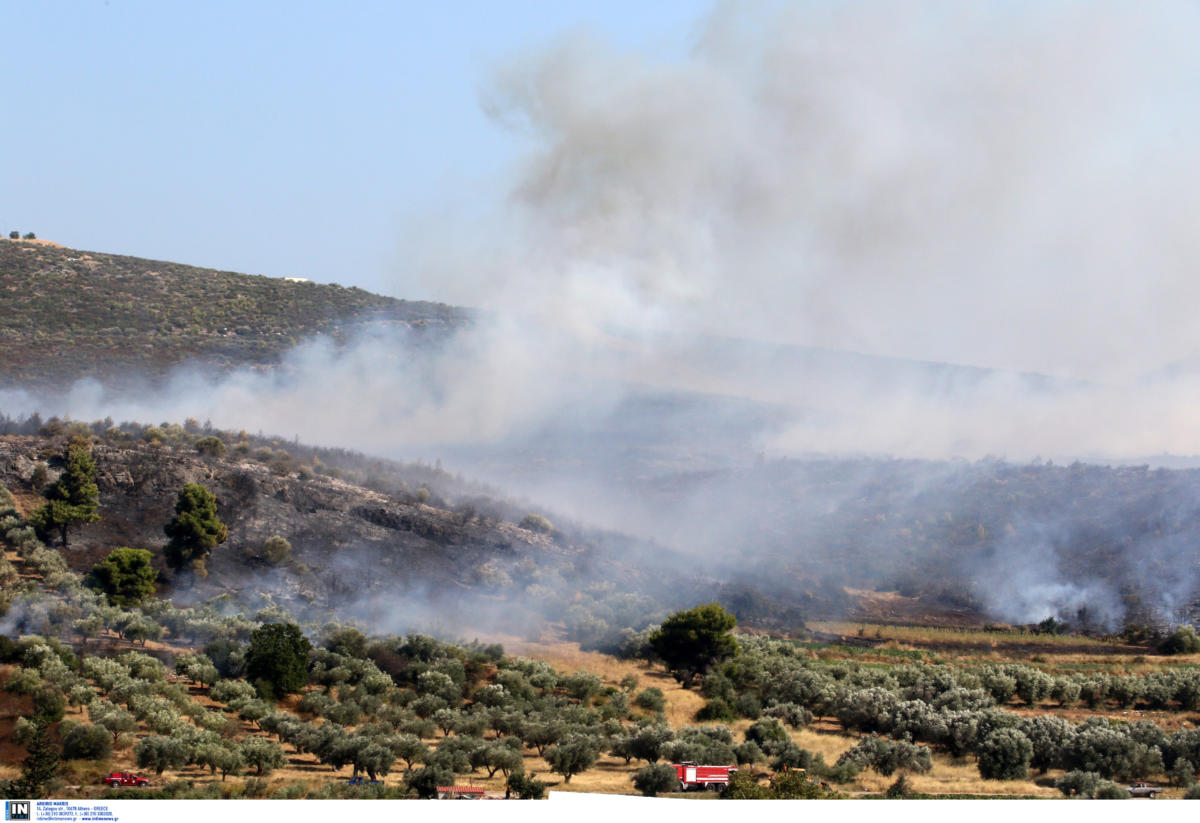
67 314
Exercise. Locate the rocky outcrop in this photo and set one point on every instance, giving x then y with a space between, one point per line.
348 541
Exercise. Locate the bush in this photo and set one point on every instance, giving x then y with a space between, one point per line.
743 785
769 734
655 778
716 710
1183 773
85 742
1193 793
1183 640
795 716
275 551
1078 783
425 781
1107 790
748 754
899 790
525 788
796 786
748 706
211 446
650 699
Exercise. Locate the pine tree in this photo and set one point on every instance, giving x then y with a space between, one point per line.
41 763
74 498
195 530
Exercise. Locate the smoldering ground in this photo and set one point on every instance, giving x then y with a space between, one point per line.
927 231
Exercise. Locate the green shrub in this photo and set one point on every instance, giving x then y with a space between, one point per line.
275 551
1183 640
211 446
655 778
525 788
743 785
899 790
716 710
650 699
86 742
1107 790
1078 783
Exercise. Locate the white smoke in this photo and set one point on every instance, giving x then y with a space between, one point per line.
1006 185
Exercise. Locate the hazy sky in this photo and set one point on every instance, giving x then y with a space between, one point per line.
1005 184
282 138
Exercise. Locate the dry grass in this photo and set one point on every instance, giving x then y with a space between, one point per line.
937 635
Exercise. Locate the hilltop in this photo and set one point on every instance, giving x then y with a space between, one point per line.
69 314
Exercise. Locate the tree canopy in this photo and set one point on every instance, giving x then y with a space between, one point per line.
195 530
126 576
691 641
277 660
74 498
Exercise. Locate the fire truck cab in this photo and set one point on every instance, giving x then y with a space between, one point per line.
695 776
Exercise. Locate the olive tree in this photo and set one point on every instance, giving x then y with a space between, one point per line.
160 753
572 756
1004 755
888 756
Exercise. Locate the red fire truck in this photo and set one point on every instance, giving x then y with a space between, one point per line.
117 779
694 776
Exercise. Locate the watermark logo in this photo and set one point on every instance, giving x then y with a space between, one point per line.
17 809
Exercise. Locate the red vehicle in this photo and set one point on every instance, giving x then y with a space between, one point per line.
116 779
693 776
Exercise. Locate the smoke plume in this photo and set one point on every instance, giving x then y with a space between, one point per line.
932 230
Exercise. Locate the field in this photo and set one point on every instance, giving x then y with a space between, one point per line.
949 776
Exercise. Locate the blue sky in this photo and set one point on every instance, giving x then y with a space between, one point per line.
291 139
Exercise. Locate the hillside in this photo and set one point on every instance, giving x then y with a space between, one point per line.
67 314
415 547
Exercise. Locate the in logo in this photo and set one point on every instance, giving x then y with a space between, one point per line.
16 809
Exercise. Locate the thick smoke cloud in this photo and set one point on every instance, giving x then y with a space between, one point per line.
1005 185
690 249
